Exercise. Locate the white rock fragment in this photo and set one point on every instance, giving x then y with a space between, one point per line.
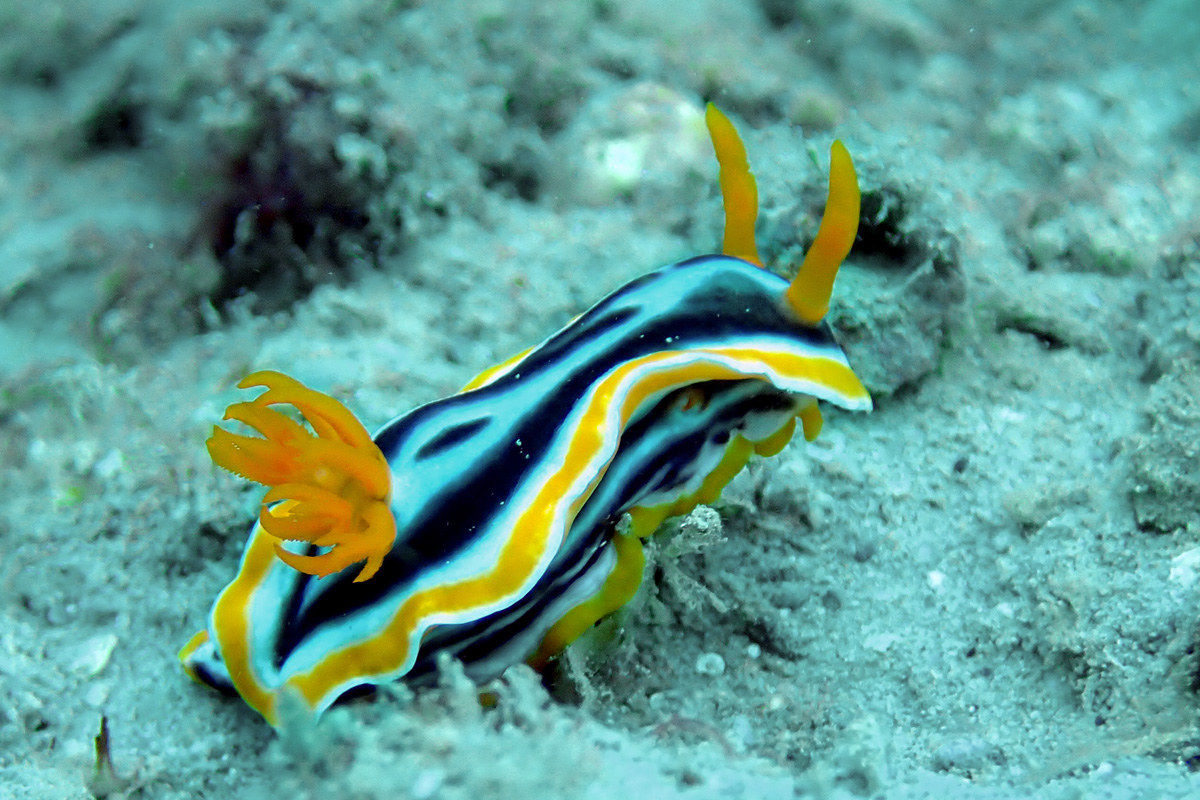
361 156
38 450
742 734
1185 568
647 132
94 654
710 664
936 579
96 696
880 642
428 783
110 466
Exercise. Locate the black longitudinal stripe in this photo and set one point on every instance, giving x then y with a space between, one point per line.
210 676
291 631
709 300
474 642
448 437
631 476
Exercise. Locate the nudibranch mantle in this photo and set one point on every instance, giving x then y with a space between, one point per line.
503 541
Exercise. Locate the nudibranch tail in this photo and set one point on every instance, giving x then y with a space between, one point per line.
809 292
331 489
739 191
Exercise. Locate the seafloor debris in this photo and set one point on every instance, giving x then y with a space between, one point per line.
1166 458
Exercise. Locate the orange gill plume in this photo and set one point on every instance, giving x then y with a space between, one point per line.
331 489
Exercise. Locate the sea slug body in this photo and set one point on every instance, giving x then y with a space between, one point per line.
485 524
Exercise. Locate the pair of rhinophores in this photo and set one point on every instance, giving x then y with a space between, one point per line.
486 524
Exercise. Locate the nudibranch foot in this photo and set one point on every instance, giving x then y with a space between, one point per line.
331 489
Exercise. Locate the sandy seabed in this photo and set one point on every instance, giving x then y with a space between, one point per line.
986 588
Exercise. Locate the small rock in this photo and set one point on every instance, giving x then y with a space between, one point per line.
1166 490
881 642
1185 568
971 753
624 141
94 654
428 783
96 696
710 664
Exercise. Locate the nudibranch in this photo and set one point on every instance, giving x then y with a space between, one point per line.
500 523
